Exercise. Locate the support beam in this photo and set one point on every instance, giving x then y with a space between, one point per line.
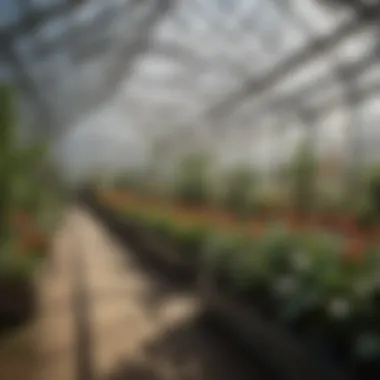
256 86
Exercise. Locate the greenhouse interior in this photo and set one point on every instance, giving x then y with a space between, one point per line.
190 190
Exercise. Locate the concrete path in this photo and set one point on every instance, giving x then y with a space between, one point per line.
102 316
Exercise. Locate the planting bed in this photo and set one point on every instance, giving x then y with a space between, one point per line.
157 251
306 300
274 345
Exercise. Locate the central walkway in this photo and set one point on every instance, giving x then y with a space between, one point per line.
102 316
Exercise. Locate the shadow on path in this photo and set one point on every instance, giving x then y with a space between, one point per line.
194 349
81 312
197 350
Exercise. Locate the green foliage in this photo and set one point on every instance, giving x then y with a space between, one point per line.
18 167
158 223
249 266
124 182
239 190
132 180
374 191
277 244
185 236
225 254
269 201
328 202
6 137
21 188
192 179
190 237
306 273
367 346
304 175
366 209
15 265
7 118
308 277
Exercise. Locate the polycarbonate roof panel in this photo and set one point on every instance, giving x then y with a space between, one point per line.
246 58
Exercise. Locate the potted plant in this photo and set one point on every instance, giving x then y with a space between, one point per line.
20 243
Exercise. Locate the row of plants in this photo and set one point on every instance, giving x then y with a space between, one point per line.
310 268
294 197
25 215
321 286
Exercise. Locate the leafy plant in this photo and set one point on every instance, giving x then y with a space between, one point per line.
324 281
310 277
374 192
17 166
187 236
304 174
191 237
16 264
239 190
365 212
220 252
191 185
270 201
20 191
277 244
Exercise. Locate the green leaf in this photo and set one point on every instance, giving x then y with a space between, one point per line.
20 266
302 300
367 346
219 250
277 245
30 157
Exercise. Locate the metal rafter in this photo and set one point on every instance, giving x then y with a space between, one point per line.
256 86
295 103
33 19
318 46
